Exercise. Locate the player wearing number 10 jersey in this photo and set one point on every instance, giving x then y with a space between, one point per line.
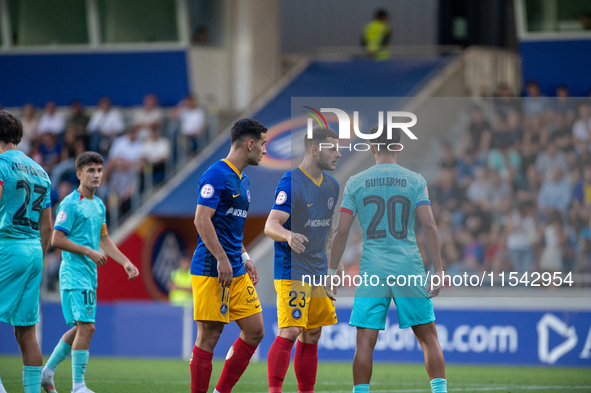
25 226
386 197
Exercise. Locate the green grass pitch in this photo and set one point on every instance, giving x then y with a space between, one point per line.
120 375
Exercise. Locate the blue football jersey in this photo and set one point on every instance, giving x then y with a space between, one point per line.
26 192
311 207
385 198
223 188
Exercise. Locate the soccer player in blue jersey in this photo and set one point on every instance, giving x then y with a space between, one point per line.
25 228
301 225
223 275
386 198
80 229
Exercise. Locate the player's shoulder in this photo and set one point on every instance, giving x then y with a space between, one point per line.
100 201
331 181
215 171
70 201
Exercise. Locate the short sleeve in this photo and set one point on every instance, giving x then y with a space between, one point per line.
283 195
349 206
211 187
422 193
47 198
66 215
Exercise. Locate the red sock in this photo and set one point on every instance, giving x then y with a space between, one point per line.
239 356
278 363
305 363
200 370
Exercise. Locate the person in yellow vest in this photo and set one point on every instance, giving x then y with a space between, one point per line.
376 36
179 287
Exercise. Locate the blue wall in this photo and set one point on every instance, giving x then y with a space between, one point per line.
554 63
124 76
549 337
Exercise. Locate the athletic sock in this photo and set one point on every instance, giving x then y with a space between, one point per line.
438 385
278 363
2 390
236 362
61 351
305 363
363 388
32 379
200 370
79 363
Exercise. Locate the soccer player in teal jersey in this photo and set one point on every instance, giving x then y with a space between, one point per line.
386 198
80 228
25 228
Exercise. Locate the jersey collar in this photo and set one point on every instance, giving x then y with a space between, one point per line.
233 167
319 182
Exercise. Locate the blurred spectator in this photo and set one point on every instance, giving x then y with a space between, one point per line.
582 128
106 123
479 132
555 193
583 258
550 158
156 152
447 194
201 36
521 237
78 118
506 102
193 122
51 270
149 117
376 36
529 188
509 132
49 152
180 290
72 147
534 104
582 190
448 161
479 189
551 260
467 166
585 19
499 189
505 161
51 121
564 107
30 135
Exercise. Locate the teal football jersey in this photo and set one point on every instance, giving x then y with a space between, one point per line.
26 192
385 198
83 221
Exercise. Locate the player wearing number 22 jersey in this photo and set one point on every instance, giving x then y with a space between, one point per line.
25 227
301 225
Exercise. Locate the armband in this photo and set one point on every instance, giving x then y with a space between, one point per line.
332 272
245 257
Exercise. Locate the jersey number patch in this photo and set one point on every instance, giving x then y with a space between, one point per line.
20 217
389 208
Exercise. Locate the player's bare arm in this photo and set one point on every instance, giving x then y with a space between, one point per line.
45 227
113 251
206 231
275 230
59 240
251 269
425 215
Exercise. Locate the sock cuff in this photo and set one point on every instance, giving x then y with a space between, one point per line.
248 347
80 356
200 353
64 344
307 347
284 342
31 375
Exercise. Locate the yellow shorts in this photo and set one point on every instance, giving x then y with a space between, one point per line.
212 302
303 305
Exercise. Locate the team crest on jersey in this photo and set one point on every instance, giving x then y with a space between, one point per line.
296 313
61 217
224 309
207 191
248 195
281 198
330 202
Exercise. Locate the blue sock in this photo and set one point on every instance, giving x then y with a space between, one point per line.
438 385
79 362
61 351
361 388
32 379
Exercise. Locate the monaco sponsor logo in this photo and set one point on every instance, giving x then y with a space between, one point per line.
237 212
317 223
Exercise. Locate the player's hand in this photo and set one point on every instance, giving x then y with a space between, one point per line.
328 291
225 272
132 271
97 257
434 290
252 272
296 242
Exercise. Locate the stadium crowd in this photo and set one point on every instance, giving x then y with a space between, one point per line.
515 195
140 146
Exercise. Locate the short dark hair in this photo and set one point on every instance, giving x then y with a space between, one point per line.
319 135
247 128
381 13
88 158
383 138
11 128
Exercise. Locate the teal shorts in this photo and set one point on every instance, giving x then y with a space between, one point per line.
79 305
21 266
371 304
